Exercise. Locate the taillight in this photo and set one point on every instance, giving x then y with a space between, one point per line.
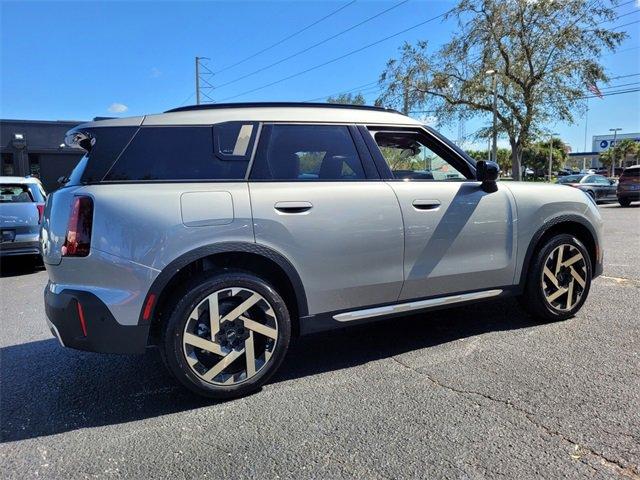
78 240
40 207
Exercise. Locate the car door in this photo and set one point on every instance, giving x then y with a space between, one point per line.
608 189
458 237
589 184
317 199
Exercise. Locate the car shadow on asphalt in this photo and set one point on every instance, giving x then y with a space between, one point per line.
47 390
21 265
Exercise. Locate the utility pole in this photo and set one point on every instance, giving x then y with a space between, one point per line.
204 88
494 147
405 96
197 80
551 153
613 144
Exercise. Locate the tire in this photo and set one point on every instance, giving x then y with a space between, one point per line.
248 347
547 293
624 202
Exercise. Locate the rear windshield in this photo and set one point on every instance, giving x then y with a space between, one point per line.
15 194
631 172
570 179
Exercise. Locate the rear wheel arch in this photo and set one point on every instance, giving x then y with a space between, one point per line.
569 224
253 258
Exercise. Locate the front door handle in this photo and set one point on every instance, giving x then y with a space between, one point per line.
292 208
426 204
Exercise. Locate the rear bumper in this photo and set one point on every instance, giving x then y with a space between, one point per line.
103 333
8 249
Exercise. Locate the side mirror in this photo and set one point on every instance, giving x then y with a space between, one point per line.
487 173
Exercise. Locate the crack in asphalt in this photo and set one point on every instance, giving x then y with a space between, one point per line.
580 450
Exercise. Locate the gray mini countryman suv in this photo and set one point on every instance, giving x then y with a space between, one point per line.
219 233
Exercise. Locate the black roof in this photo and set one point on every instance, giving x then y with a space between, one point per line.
213 106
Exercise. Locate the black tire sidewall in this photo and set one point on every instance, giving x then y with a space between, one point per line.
196 291
534 299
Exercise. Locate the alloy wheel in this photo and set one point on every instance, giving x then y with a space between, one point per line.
564 277
230 336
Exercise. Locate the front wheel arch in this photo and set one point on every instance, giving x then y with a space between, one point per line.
573 225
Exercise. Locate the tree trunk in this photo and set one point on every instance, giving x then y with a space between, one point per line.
516 157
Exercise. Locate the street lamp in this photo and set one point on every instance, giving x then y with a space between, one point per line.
551 152
613 144
494 148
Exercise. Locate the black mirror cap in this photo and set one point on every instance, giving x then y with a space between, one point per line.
487 172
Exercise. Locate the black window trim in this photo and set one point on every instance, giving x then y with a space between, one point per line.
255 137
367 132
370 171
230 157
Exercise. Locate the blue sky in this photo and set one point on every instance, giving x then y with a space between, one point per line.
78 60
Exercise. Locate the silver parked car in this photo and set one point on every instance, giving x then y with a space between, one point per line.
218 233
21 208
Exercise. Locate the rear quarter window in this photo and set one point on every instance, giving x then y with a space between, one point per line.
185 153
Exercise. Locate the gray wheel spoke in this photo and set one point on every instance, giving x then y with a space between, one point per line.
551 277
572 260
559 260
260 328
557 293
250 356
202 343
578 278
243 307
570 295
221 365
214 315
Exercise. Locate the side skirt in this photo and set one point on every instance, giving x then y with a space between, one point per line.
344 318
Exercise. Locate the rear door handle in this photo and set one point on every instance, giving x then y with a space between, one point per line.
426 204
293 208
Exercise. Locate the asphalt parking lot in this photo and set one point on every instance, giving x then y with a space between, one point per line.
473 392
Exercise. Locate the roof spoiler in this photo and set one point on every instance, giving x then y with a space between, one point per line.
79 139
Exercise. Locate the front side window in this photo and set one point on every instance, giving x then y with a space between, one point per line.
409 158
182 153
307 152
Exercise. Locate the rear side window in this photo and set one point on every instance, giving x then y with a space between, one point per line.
182 153
307 153
107 144
15 194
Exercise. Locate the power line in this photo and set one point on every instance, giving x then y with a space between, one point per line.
625 76
280 42
341 92
317 44
608 94
625 25
352 52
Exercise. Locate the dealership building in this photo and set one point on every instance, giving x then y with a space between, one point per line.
601 143
35 147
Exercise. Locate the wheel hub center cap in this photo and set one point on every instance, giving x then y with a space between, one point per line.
232 335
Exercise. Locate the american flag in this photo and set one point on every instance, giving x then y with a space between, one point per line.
593 88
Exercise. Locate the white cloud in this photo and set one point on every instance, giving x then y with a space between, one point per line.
155 72
118 108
